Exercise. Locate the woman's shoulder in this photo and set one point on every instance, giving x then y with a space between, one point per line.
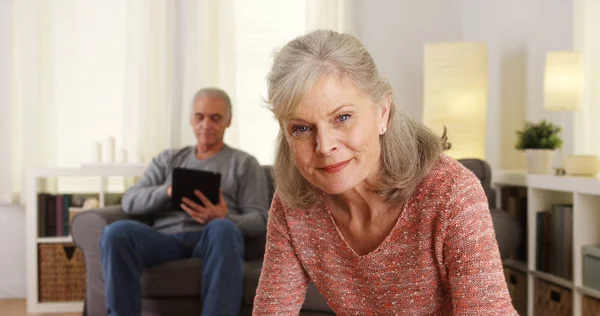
446 176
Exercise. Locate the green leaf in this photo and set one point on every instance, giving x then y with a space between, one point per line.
541 135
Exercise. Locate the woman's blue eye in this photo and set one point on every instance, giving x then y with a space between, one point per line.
300 129
344 117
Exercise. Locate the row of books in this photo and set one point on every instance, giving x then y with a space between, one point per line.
554 242
53 213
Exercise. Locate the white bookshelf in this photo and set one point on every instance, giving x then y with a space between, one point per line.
44 179
542 192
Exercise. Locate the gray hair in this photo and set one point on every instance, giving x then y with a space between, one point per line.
213 92
408 148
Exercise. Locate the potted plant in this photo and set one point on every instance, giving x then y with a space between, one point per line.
539 140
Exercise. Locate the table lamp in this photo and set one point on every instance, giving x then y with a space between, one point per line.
455 95
564 88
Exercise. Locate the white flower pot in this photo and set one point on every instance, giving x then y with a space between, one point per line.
539 160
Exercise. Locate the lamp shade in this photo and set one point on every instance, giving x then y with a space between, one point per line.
563 81
455 95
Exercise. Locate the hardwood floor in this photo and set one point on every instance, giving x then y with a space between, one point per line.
16 307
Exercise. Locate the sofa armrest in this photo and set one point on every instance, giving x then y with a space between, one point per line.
87 226
86 230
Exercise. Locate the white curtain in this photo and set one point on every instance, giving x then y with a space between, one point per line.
32 111
206 49
149 106
82 71
174 48
5 100
335 15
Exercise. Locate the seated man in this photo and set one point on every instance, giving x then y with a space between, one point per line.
213 232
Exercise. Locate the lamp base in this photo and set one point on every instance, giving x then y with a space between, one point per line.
560 171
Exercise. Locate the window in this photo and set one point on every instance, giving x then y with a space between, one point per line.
85 71
260 27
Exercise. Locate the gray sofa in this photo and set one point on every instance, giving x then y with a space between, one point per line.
174 288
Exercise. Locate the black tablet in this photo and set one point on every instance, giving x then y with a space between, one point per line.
185 181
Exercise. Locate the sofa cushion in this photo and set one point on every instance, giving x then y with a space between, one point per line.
254 248
179 278
182 278
251 276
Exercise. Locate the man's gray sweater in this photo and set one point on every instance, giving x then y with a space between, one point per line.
242 179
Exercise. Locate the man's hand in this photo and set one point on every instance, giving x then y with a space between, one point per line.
169 190
208 212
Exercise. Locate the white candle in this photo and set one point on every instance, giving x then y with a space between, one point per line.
109 149
122 155
96 154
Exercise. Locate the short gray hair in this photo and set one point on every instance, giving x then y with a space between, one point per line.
214 92
408 148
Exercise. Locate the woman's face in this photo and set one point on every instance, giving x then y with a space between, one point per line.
334 138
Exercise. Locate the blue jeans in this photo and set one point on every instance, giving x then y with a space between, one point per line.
128 247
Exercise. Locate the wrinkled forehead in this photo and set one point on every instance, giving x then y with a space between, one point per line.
209 104
294 92
325 96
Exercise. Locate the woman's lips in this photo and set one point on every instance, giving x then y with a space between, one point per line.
336 167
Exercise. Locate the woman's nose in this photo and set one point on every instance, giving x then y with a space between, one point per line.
327 142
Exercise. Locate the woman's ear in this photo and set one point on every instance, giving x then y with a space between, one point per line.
384 113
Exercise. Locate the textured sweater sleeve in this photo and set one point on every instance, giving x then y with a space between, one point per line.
149 194
253 200
283 280
471 256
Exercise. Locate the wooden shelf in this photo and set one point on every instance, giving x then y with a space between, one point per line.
36 181
509 178
553 279
92 172
54 240
60 307
517 265
544 190
589 292
585 185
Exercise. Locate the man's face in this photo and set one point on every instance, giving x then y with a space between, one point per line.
209 120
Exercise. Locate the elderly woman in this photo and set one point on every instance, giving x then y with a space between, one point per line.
367 207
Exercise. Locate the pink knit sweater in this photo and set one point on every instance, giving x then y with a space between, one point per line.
441 257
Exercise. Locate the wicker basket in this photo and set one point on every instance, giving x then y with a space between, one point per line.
61 273
517 287
552 300
590 306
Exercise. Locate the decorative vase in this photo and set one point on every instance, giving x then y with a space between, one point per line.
539 160
582 165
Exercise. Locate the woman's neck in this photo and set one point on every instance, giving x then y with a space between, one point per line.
360 204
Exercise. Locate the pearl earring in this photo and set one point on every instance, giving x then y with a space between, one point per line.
383 130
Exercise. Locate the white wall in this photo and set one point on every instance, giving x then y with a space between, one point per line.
552 29
5 100
12 251
394 32
503 27
12 218
518 34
